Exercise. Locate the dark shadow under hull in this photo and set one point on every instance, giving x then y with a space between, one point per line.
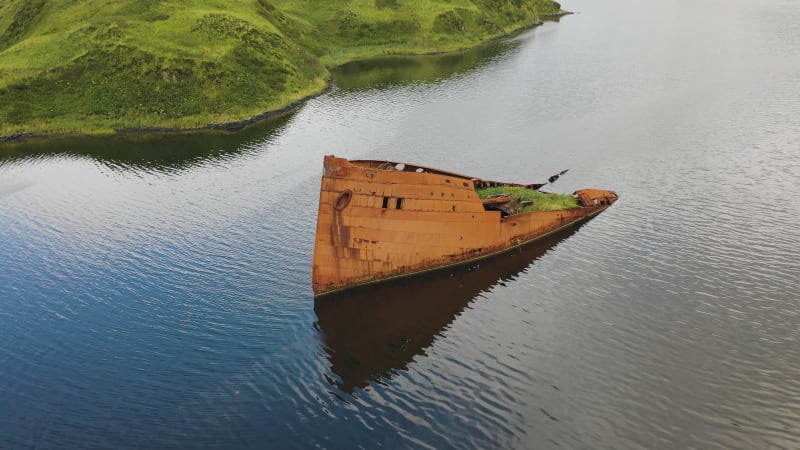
371 332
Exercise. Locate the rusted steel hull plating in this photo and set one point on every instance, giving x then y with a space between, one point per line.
380 220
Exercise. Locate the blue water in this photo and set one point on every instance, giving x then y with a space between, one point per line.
155 290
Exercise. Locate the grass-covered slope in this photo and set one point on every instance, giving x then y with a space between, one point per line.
95 65
99 65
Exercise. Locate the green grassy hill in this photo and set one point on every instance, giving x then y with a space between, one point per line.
96 66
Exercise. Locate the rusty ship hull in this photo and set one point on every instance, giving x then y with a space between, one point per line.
380 220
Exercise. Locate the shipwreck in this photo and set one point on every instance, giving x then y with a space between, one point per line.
381 220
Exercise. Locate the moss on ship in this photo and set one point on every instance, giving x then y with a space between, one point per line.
523 200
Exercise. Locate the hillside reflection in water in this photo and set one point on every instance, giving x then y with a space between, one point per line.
151 152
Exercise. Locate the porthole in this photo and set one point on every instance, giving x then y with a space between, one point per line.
343 200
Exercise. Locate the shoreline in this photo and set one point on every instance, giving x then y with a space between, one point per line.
237 125
231 126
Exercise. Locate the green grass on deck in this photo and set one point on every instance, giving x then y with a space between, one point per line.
542 201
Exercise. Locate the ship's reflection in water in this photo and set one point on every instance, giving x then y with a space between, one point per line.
373 332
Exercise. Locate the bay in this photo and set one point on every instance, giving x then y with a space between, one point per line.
155 289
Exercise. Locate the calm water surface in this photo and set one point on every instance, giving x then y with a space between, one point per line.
155 290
